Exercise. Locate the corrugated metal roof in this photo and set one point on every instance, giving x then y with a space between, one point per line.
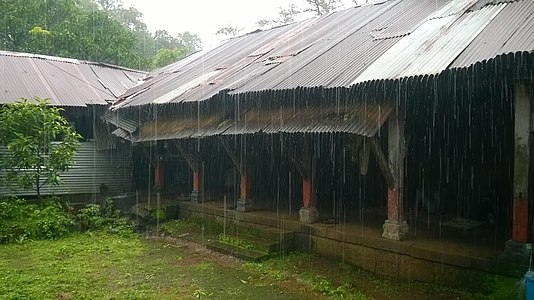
358 118
512 30
362 118
119 121
393 39
67 82
433 46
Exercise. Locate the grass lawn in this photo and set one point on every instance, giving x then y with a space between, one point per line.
104 266
107 266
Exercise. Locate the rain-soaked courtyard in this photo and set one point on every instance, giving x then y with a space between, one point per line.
108 266
371 149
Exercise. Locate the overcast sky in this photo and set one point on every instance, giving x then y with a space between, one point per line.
203 17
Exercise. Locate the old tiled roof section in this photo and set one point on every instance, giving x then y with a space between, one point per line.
389 40
67 82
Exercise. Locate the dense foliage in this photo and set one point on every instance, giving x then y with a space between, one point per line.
21 221
95 30
40 143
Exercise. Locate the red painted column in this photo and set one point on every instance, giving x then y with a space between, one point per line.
245 187
396 227
308 196
393 205
198 184
520 221
308 213
521 233
159 175
197 181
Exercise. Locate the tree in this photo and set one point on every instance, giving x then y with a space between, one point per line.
321 7
189 41
167 56
228 31
292 12
40 143
95 30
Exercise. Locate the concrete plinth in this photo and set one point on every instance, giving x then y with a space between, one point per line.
308 215
197 197
517 249
395 231
244 205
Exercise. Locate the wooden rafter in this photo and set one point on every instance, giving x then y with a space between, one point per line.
188 158
303 168
382 162
152 161
232 156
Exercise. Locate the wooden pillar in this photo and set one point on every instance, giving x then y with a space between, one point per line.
244 185
244 203
197 194
522 169
159 175
197 167
395 227
308 194
308 213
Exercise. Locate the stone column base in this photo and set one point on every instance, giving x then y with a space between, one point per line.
395 231
197 197
517 249
308 215
244 205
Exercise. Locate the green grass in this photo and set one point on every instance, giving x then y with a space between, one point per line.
335 280
102 265
295 265
106 266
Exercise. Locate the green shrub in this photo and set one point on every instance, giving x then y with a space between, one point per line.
52 221
96 217
234 241
20 221
90 217
159 214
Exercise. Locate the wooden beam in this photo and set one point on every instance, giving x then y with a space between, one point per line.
298 164
188 158
354 142
232 156
363 158
152 162
382 162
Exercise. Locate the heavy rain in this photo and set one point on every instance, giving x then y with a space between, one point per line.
377 150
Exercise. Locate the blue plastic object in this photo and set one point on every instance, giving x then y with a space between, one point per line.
529 282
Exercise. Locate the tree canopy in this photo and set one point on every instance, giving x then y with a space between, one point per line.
40 143
95 30
293 11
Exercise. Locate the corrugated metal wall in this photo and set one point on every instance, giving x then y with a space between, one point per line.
91 169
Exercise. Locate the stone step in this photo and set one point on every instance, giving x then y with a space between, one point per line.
267 232
262 244
239 252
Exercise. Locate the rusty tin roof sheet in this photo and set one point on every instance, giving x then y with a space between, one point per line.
357 118
67 82
389 40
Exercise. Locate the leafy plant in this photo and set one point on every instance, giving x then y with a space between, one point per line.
97 217
41 144
90 217
178 226
158 214
266 270
235 241
20 221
